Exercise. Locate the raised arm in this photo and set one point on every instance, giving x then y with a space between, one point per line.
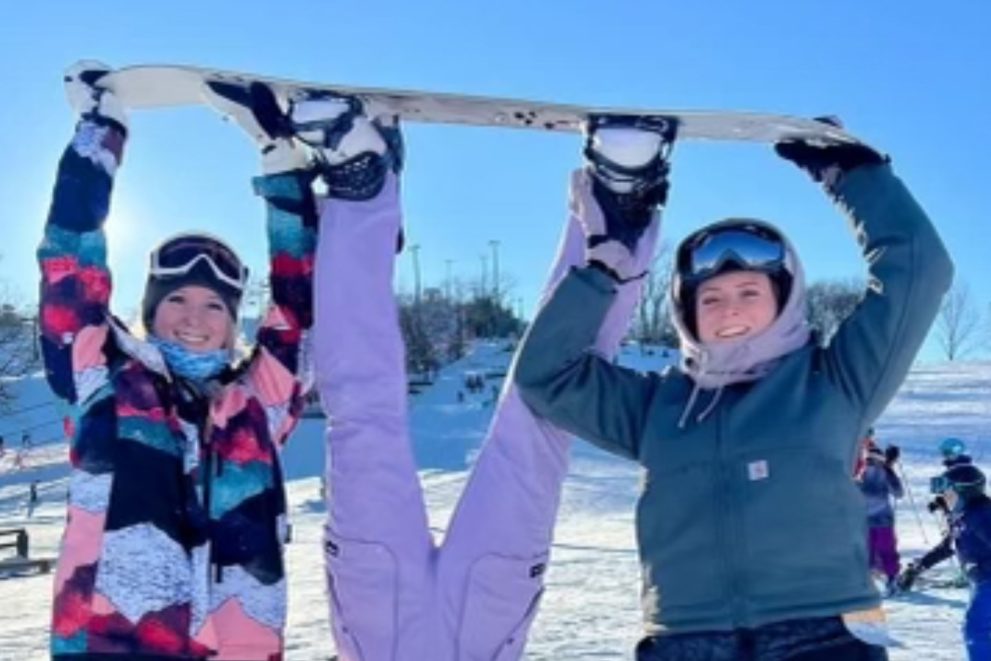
564 381
909 271
75 280
278 370
558 374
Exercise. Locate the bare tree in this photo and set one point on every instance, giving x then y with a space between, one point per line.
652 320
18 345
957 323
830 302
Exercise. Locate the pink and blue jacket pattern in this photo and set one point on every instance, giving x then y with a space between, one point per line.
176 512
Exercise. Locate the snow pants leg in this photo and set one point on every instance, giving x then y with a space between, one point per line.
883 546
496 551
378 546
977 623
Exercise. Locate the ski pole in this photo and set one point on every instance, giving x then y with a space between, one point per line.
911 500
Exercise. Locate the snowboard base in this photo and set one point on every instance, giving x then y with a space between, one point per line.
165 86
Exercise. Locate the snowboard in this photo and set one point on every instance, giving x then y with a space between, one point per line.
157 86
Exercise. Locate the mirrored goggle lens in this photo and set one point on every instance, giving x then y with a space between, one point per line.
749 250
183 252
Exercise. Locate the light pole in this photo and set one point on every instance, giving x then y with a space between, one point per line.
485 272
495 268
415 252
447 279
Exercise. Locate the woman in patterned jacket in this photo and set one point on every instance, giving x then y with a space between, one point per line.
176 513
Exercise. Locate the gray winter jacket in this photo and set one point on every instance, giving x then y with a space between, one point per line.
749 515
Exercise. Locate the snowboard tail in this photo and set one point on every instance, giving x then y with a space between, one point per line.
159 86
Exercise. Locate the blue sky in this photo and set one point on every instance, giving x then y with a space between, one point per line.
909 79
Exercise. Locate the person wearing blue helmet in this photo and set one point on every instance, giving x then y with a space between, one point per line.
969 536
954 452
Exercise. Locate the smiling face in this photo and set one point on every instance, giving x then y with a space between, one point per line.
734 305
194 317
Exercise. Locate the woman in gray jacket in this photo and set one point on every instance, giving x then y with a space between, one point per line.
751 533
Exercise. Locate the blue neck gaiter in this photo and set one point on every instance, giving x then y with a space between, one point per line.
192 365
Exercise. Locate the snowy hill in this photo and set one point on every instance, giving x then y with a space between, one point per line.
590 609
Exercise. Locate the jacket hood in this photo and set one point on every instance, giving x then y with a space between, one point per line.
715 365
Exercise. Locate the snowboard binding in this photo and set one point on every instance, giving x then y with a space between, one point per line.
628 157
355 152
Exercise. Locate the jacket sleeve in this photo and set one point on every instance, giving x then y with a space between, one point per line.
909 271
937 554
980 525
75 281
279 370
562 380
894 482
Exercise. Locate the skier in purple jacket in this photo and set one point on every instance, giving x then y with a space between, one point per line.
395 592
880 483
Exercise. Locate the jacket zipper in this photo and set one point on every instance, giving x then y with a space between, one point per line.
212 466
732 527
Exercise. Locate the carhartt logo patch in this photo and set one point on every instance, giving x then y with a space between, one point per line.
758 470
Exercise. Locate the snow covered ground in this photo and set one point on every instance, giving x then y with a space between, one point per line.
590 609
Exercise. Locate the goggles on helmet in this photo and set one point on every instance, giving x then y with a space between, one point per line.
180 254
939 484
748 246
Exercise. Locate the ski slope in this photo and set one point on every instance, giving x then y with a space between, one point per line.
590 609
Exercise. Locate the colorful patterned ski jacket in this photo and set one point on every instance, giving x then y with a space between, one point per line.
176 514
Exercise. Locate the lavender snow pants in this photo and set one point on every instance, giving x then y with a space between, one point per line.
394 594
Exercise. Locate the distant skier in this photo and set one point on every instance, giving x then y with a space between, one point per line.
3 451
963 489
880 484
26 440
953 452
32 497
750 527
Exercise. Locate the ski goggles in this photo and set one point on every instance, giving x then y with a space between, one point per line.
749 246
180 254
939 485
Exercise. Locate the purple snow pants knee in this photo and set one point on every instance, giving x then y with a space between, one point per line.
883 549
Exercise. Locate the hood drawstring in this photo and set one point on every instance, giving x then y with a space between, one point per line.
701 371
712 405
696 389
689 405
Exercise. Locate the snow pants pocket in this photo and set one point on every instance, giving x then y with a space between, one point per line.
502 595
361 583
